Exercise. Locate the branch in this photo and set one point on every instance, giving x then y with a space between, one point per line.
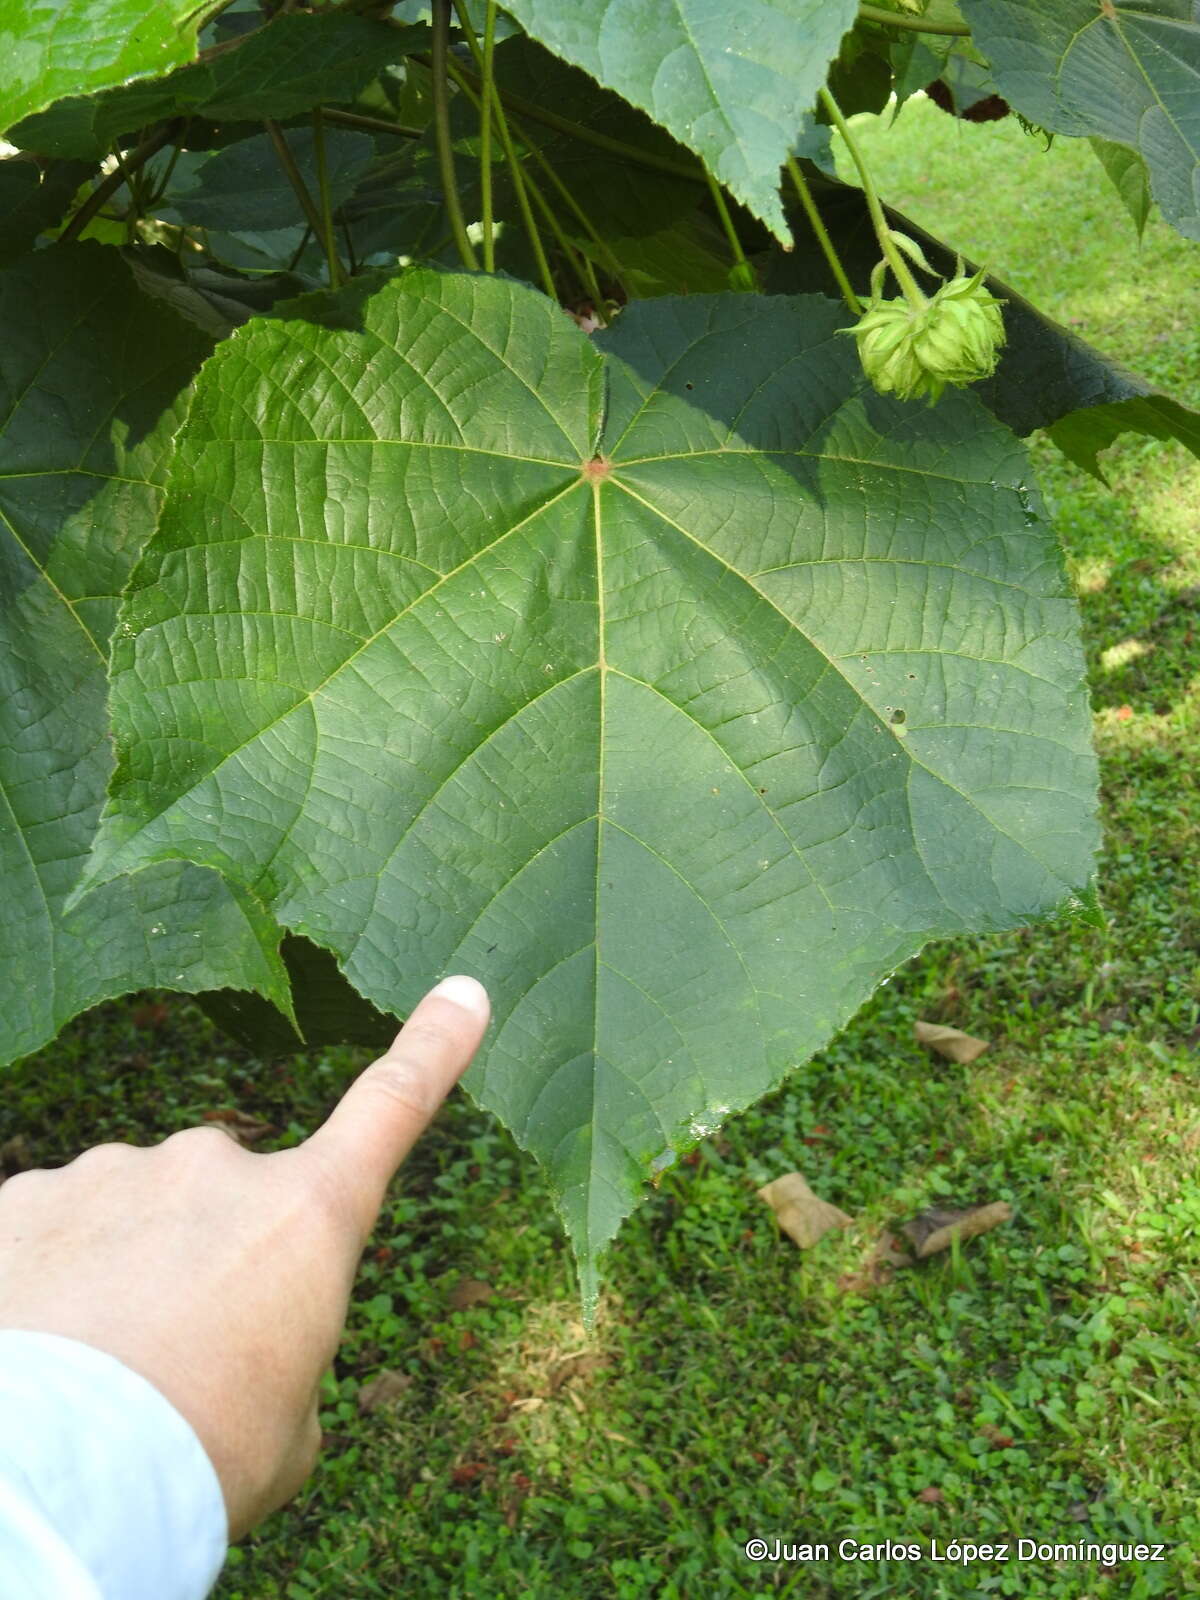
288 162
902 19
601 141
107 187
441 124
333 265
354 119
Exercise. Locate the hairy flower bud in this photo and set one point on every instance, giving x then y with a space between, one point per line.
911 351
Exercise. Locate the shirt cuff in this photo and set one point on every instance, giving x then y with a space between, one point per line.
109 1469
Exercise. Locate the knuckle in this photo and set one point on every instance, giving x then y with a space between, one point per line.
422 1036
23 1186
402 1083
202 1143
326 1194
106 1156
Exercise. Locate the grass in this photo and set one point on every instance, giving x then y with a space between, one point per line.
1041 1382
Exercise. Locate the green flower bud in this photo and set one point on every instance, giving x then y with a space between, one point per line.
916 350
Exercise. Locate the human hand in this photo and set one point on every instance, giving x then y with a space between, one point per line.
222 1276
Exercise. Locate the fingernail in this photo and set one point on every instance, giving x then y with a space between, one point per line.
466 992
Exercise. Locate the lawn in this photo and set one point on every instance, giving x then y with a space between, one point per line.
1041 1382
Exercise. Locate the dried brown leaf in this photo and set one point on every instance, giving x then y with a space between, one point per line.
996 1437
384 1389
887 1253
151 1015
576 1366
949 1042
15 1156
240 1125
802 1215
470 1292
937 1227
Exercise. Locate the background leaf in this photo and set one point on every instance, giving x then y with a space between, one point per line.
731 83
91 376
648 217
1127 173
33 199
622 197
289 66
680 751
215 301
1129 73
244 187
328 1010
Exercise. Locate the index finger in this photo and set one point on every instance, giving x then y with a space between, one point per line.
386 1109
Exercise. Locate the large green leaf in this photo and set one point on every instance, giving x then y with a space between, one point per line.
731 82
680 691
90 376
1047 377
278 71
1124 70
52 48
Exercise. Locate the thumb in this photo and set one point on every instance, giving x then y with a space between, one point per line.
387 1108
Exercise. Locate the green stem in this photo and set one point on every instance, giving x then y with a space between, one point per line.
603 250
300 248
160 188
518 179
908 284
203 15
520 188
350 255
900 19
352 119
293 174
485 135
722 210
576 130
610 261
132 183
108 186
817 223
442 67
578 261
331 256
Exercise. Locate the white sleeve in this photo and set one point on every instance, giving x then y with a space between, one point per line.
106 1493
